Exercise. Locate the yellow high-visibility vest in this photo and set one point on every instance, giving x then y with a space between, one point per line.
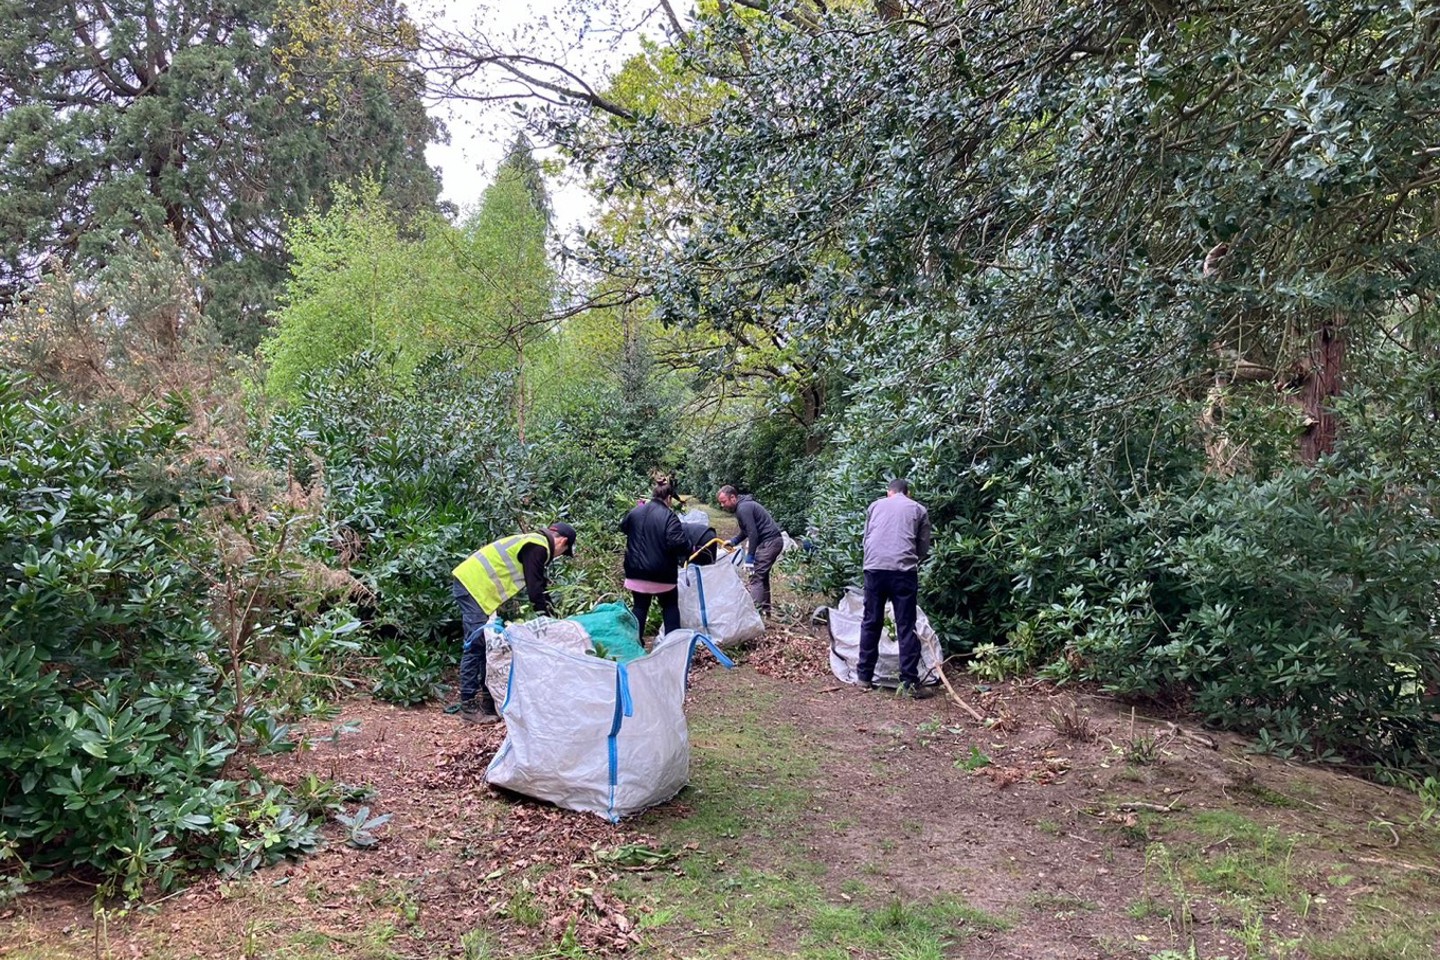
493 573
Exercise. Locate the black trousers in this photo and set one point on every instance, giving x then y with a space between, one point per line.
669 610
900 588
472 660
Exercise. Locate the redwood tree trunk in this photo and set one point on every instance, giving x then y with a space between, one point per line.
1321 387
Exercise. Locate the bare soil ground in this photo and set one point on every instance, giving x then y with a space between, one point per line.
821 822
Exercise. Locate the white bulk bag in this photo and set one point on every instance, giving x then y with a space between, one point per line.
696 515
844 624
714 601
590 734
566 635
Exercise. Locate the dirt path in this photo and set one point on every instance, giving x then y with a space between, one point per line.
820 823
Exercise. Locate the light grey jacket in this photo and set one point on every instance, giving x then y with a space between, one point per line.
897 534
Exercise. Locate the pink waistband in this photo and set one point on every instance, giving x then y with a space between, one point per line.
647 586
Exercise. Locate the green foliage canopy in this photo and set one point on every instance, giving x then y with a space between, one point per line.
362 280
1077 265
123 120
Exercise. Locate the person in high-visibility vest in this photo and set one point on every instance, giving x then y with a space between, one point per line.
485 580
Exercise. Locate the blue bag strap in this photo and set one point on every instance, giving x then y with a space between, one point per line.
723 660
700 588
624 707
509 676
622 676
495 619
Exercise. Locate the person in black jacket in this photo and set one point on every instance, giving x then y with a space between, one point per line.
758 527
655 545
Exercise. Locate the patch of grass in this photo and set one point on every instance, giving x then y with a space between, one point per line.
405 904
1259 943
373 943
1225 825
524 908
741 911
1261 869
1135 829
49 953
478 944
749 779
1391 939
1141 750
1058 902
1147 907
746 909
656 918
919 931
1164 875
1049 827
310 938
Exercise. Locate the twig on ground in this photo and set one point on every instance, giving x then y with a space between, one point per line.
1130 806
1218 843
1174 729
979 717
1399 863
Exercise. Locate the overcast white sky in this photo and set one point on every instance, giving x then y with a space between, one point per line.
579 33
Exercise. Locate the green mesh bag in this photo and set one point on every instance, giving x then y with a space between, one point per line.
613 629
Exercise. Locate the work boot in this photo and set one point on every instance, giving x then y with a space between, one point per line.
913 691
479 710
866 686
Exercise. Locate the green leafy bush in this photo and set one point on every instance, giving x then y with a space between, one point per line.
411 474
1299 607
1295 602
1311 602
114 730
414 473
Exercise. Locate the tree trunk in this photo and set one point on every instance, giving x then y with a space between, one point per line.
1319 389
520 386
814 398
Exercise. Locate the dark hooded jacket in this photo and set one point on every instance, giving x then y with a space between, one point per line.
655 543
756 524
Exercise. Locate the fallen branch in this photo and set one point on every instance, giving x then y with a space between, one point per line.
1174 729
979 717
1131 806
1399 863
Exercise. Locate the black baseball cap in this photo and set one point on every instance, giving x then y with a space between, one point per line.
562 529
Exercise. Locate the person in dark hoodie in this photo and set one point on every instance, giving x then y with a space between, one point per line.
655 546
765 542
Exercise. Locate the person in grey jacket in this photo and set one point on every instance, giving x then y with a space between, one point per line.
758 527
897 541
